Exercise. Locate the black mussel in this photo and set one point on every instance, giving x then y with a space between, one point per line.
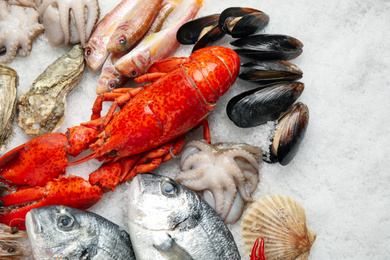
268 47
211 37
266 103
240 22
189 33
290 131
268 71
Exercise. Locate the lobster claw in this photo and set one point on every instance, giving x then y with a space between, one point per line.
261 256
35 162
72 191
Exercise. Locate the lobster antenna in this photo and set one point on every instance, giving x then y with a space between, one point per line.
84 159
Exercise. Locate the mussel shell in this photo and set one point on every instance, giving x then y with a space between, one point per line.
250 21
268 71
212 36
268 47
189 32
291 129
259 105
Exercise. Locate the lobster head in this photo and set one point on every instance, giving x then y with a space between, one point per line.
215 69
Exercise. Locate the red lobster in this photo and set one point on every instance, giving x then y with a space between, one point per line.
152 121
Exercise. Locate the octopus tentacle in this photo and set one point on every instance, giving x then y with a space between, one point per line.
76 18
18 28
225 171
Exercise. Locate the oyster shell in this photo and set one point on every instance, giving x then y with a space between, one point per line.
42 108
281 221
9 81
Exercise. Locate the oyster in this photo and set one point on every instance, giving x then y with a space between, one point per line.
42 108
9 81
281 221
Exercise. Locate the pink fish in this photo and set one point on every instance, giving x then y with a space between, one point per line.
155 47
96 49
134 25
110 78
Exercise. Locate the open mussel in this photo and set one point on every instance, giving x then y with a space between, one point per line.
291 129
203 31
268 71
240 21
268 47
266 103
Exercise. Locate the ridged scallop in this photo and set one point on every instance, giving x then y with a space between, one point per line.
281 221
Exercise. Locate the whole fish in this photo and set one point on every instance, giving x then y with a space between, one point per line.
96 49
156 47
110 78
134 25
169 221
59 232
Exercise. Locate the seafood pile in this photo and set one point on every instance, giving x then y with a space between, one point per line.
130 45
147 125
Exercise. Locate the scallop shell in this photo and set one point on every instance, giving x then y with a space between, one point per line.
281 221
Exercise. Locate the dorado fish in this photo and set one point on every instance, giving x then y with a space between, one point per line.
155 47
59 232
169 221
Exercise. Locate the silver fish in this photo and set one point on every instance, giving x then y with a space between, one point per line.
42 108
59 232
169 221
9 81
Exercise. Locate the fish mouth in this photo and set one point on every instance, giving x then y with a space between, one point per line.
33 225
135 186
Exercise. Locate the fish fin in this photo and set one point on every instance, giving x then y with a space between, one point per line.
169 249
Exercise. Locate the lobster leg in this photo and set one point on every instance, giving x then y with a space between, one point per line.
119 96
161 68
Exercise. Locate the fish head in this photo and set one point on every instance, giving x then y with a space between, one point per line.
95 53
159 203
57 231
134 64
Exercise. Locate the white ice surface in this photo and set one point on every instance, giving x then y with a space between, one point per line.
341 172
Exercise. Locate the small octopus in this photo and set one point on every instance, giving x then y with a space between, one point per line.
19 27
218 171
68 21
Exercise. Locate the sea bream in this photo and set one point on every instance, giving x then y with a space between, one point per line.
59 232
168 221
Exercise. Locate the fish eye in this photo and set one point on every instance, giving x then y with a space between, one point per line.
169 189
122 40
112 85
87 51
65 222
